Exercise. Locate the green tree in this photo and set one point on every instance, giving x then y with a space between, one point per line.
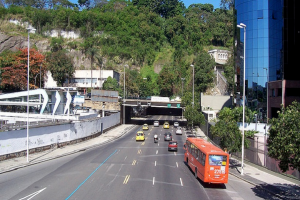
111 84
166 81
192 114
227 130
60 66
284 139
204 71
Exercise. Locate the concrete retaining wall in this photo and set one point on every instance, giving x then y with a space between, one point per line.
41 138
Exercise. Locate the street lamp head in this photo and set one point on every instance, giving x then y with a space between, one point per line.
145 78
192 65
241 25
182 79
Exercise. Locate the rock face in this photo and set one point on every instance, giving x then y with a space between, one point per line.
11 42
14 43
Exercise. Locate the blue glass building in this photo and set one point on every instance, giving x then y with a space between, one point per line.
264 44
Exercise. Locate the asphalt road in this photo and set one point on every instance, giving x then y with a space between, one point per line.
124 169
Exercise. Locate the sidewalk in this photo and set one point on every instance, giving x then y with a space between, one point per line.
20 162
282 186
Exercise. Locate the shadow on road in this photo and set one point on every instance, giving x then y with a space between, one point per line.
277 191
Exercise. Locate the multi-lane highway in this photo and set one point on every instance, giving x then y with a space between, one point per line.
124 169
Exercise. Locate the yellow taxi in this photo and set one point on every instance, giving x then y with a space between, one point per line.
140 136
166 125
145 127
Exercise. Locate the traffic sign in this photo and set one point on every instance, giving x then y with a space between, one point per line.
178 105
169 105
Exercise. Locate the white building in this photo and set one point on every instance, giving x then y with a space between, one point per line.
83 79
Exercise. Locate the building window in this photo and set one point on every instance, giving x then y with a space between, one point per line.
279 92
260 14
273 92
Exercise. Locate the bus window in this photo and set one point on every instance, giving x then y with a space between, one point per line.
217 160
203 157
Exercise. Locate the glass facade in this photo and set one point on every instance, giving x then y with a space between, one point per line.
264 24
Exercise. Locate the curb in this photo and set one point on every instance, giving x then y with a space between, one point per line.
69 153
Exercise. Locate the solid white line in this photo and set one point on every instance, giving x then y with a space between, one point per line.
155 163
156 151
181 182
153 180
177 164
33 194
125 158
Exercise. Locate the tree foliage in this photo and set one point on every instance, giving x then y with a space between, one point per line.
111 84
60 66
135 32
204 71
14 68
284 139
227 130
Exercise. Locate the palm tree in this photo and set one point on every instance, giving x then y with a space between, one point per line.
92 52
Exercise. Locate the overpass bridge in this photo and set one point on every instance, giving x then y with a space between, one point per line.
150 107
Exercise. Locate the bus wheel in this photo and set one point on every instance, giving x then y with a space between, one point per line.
196 176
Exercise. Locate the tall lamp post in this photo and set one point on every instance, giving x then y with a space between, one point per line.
28 29
124 96
193 94
241 25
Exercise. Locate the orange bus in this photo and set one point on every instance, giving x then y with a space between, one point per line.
208 162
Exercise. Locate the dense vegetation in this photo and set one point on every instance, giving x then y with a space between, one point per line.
227 131
284 139
138 33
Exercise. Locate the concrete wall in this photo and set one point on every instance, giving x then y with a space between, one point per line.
15 141
215 103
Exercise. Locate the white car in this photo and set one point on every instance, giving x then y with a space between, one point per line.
178 131
176 124
156 123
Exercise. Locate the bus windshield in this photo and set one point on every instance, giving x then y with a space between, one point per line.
217 160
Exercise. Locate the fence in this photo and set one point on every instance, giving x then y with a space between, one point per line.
257 152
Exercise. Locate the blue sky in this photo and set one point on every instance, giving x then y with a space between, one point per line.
215 3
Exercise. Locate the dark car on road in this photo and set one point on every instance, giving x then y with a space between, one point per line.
168 136
173 146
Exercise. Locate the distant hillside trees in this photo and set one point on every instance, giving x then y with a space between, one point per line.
137 33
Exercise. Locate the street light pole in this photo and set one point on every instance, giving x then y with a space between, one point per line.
267 92
28 29
124 95
241 25
193 93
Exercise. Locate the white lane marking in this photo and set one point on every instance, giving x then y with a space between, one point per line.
125 158
181 182
175 153
177 164
155 163
158 144
156 151
153 180
28 197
